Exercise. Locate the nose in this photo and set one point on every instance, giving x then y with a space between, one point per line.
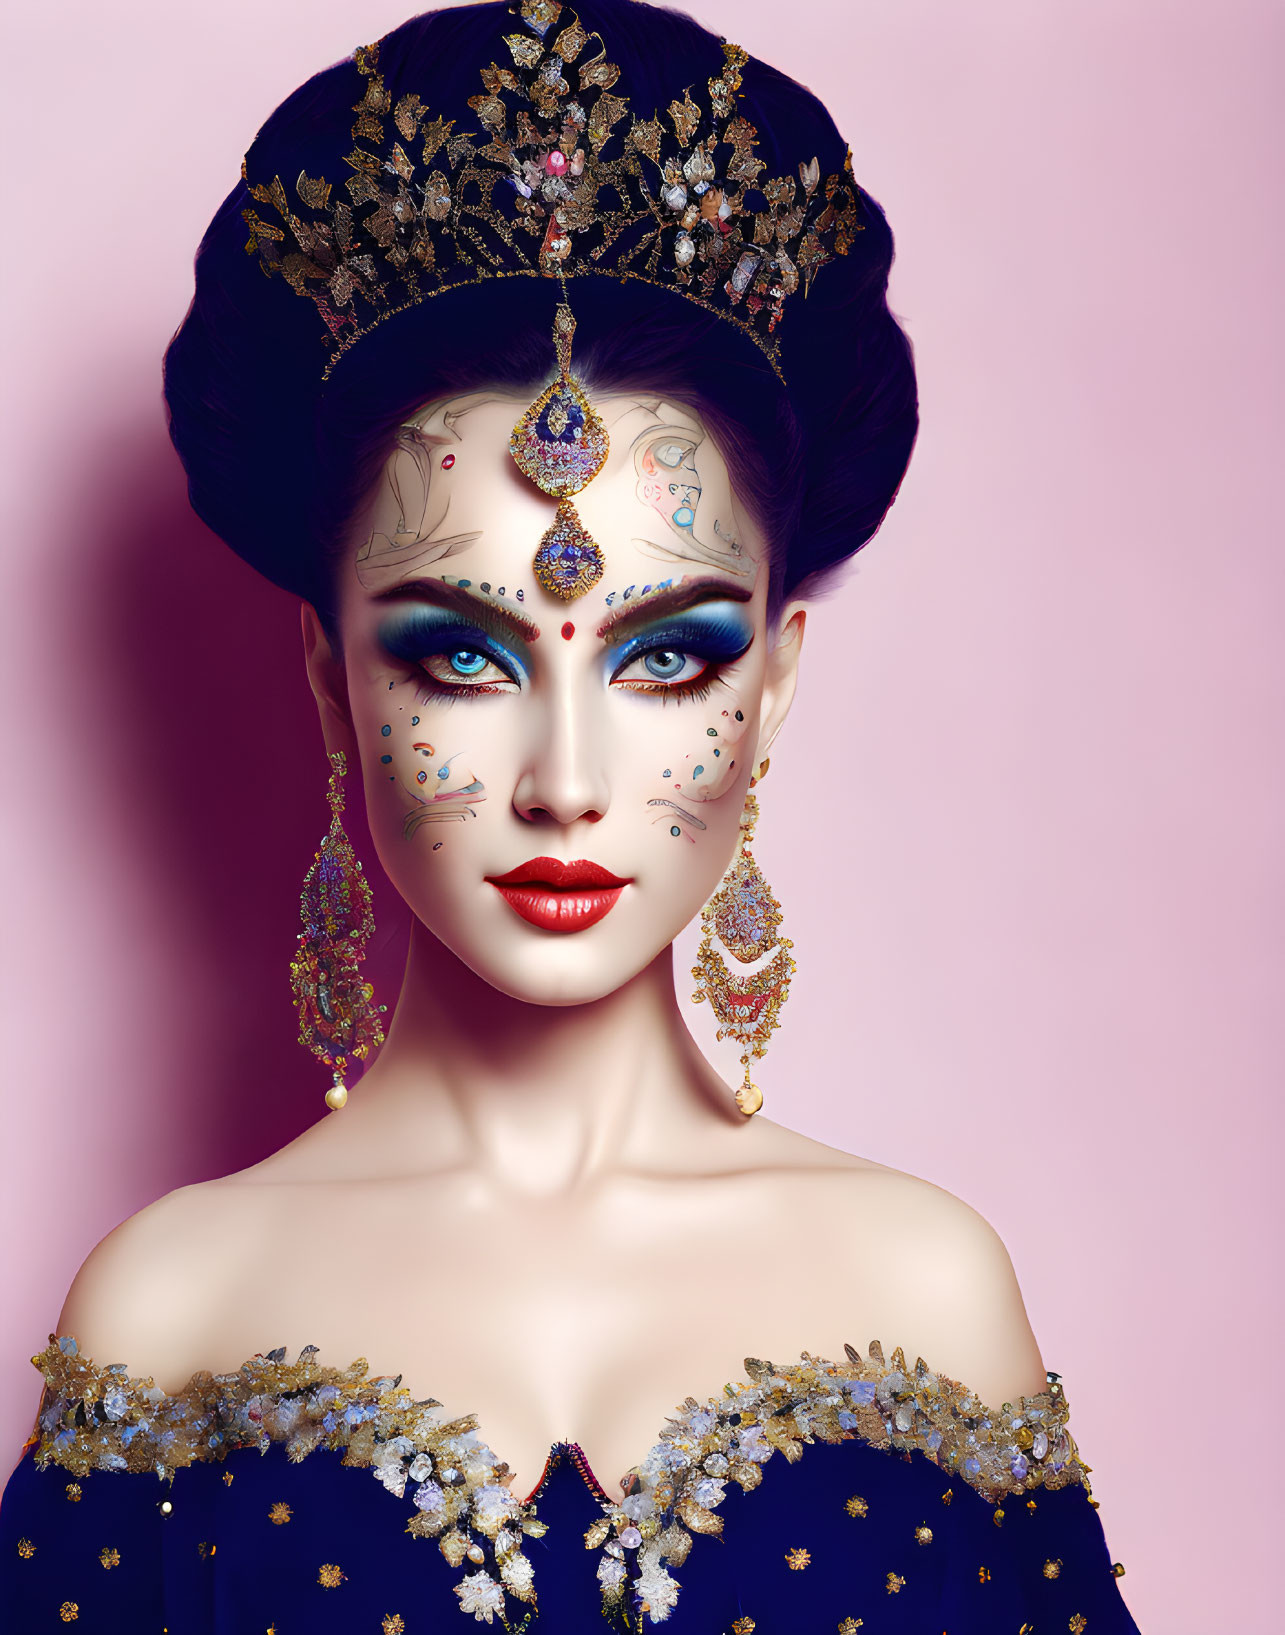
563 779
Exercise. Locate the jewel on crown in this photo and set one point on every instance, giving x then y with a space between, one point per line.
561 181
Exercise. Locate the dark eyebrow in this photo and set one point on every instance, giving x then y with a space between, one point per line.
481 609
661 603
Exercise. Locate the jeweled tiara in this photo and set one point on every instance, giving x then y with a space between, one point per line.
561 182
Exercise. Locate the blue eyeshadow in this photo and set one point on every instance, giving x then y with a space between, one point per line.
714 630
416 633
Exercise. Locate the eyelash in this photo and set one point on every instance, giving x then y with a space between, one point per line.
695 687
432 691
680 692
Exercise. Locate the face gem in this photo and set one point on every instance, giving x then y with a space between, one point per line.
568 630
664 584
448 460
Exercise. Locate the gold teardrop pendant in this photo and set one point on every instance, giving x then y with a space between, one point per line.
561 441
568 561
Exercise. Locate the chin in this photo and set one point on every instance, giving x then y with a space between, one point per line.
567 970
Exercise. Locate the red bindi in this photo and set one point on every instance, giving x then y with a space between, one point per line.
568 630
448 460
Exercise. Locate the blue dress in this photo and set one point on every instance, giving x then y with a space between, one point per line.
810 1498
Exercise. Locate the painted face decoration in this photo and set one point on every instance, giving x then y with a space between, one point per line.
669 482
417 499
668 460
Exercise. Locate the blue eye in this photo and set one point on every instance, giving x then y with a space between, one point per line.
454 655
687 652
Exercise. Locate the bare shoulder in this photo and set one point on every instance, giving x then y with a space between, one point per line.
149 1295
928 1273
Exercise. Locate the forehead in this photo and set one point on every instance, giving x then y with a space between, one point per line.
662 504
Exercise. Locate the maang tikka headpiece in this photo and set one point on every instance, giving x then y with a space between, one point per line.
562 445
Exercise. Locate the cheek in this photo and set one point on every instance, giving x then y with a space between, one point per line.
707 759
422 765
698 768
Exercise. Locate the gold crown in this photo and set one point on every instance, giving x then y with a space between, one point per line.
562 182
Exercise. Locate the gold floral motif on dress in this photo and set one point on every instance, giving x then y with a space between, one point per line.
101 1419
676 1491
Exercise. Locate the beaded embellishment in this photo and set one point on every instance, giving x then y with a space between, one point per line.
677 1489
100 1419
560 182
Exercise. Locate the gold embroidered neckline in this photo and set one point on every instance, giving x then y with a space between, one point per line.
99 1418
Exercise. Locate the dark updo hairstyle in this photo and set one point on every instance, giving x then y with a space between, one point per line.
278 461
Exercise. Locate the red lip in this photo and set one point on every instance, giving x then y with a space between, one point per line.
559 896
549 871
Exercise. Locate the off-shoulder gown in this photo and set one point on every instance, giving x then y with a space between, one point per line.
292 1498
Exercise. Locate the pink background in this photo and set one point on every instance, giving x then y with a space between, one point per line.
1025 822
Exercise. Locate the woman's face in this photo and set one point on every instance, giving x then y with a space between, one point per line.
503 732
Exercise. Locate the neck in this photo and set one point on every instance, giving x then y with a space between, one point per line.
541 1098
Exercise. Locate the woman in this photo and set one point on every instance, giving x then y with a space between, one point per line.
570 378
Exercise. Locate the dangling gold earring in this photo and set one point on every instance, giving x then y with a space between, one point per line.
338 1018
744 916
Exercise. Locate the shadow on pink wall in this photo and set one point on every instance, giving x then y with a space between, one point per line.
210 745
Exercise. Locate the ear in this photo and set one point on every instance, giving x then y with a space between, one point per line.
329 682
780 676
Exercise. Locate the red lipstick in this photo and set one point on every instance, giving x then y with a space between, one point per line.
559 896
